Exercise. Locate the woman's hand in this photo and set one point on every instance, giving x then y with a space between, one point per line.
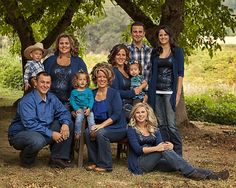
137 90
65 131
160 147
177 99
97 127
168 145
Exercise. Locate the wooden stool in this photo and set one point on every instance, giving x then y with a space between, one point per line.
122 147
81 144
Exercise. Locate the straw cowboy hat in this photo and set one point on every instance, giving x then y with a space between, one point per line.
36 46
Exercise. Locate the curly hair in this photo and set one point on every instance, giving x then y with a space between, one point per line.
76 77
106 69
151 118
115 50
72 44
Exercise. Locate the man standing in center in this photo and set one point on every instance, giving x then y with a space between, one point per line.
138 50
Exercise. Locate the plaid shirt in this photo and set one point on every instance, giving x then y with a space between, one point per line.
32 68
143 56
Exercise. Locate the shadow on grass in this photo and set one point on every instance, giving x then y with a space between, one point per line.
7 112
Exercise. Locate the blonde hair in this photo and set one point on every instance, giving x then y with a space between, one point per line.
106 69
76 77
151 118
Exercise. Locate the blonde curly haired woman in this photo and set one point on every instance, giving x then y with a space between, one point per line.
110 124
149 153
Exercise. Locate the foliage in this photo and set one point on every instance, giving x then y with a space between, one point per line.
216 71
43 16
205 21
215 106
10 72
106 32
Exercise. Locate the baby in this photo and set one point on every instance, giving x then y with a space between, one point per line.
34 54
137 79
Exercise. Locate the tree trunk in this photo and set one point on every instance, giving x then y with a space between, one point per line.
181 113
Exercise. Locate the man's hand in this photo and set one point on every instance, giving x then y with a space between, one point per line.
57 137
65 131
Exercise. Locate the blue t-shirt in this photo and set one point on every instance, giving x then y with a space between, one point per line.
100 110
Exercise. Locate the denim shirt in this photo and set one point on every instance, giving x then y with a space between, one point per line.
35 114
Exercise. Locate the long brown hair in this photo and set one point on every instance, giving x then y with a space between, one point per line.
115 50
171 38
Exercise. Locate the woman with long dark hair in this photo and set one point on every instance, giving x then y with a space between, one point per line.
165 85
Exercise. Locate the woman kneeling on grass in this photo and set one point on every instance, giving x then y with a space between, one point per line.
149 153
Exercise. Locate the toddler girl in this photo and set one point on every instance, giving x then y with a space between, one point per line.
81 100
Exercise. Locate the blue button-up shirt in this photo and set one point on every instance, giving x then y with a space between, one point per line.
35 114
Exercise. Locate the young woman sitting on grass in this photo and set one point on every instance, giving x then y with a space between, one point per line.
149 153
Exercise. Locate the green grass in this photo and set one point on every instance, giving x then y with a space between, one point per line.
9 96
203 73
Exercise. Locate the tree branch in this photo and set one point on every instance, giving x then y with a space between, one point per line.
137 14
172 15
63 23
38 13
15 18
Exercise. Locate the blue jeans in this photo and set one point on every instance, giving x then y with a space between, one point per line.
168 161
31 142
79 120
167 122
99 150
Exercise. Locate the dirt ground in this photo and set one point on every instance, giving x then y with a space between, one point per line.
205 145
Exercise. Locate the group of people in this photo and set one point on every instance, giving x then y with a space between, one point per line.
138 89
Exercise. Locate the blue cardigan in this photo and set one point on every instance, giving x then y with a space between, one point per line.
178 70
76 64
115 111
118 84
136 149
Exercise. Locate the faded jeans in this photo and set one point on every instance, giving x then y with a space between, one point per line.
168 161
31 142
99 150
79 120
167 122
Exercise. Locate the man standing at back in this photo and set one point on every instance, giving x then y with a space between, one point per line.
41 119
138 50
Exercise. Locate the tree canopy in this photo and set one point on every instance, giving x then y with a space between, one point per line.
196 23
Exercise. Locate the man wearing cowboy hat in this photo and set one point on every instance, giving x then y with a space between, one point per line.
34 54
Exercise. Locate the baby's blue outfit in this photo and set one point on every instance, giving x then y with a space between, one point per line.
135 82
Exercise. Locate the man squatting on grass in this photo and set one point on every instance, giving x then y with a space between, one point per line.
41 120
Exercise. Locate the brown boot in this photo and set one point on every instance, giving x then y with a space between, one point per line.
197 176
222 175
